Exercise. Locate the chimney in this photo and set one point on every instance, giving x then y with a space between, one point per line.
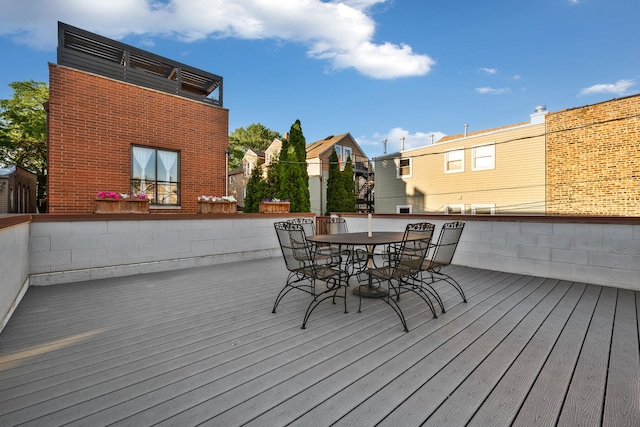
402 144
466 128
431 136
384 145
538 116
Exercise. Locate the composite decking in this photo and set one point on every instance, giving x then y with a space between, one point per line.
201 346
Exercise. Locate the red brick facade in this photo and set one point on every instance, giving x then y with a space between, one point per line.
93 123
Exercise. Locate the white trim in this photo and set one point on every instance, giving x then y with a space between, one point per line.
446 160
490 206
345 156
456 208
492 157
397 162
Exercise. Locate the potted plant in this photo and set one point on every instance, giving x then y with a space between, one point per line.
213 204
274 206
113 202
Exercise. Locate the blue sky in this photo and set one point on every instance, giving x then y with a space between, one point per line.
379 69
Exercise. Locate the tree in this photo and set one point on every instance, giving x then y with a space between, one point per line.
256 191
336 192
349 202
255 137
294 178
23 132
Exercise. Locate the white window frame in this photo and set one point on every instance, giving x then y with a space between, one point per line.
249 168
398 163
399 207
492 156
449 208
490 206
346 152
447 160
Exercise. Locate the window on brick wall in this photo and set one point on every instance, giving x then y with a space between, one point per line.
156 173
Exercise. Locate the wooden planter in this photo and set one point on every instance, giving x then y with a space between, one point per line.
274 207
217 207
107 206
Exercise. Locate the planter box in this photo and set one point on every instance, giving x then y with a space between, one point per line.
274 207
107 206
217 207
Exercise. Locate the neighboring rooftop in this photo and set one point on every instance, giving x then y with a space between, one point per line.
99 55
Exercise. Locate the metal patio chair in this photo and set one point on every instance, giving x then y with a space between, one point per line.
393 251
307 268
355 259
442 255
309 226
401 273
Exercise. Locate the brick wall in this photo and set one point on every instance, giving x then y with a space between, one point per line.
94 121
593 159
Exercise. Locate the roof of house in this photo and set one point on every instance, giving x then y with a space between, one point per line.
256 153
316 149
237 171
479 132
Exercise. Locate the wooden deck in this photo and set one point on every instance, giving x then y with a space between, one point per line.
201 346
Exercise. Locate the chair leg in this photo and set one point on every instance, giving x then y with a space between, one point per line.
330 293
450 280
398 311
415 287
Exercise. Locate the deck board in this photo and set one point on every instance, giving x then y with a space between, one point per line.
585 397
622 407
534 336
505 400
201 345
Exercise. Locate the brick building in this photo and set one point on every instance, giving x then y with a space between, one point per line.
17 190
593 159
125 120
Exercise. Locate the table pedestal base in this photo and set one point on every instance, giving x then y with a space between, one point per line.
369 292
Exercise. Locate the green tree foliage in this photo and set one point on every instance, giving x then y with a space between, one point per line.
255 137
349 202
257 191
23 131
336 192
293 175
273 180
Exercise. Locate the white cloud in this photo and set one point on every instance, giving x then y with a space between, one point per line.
618 88
340 31
491 91
488 70
516 77
394 142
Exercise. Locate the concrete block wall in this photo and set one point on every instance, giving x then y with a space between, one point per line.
593 161
67 251
93 123
14 268
72 251
601 254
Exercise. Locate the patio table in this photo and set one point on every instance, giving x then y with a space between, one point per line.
370 241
